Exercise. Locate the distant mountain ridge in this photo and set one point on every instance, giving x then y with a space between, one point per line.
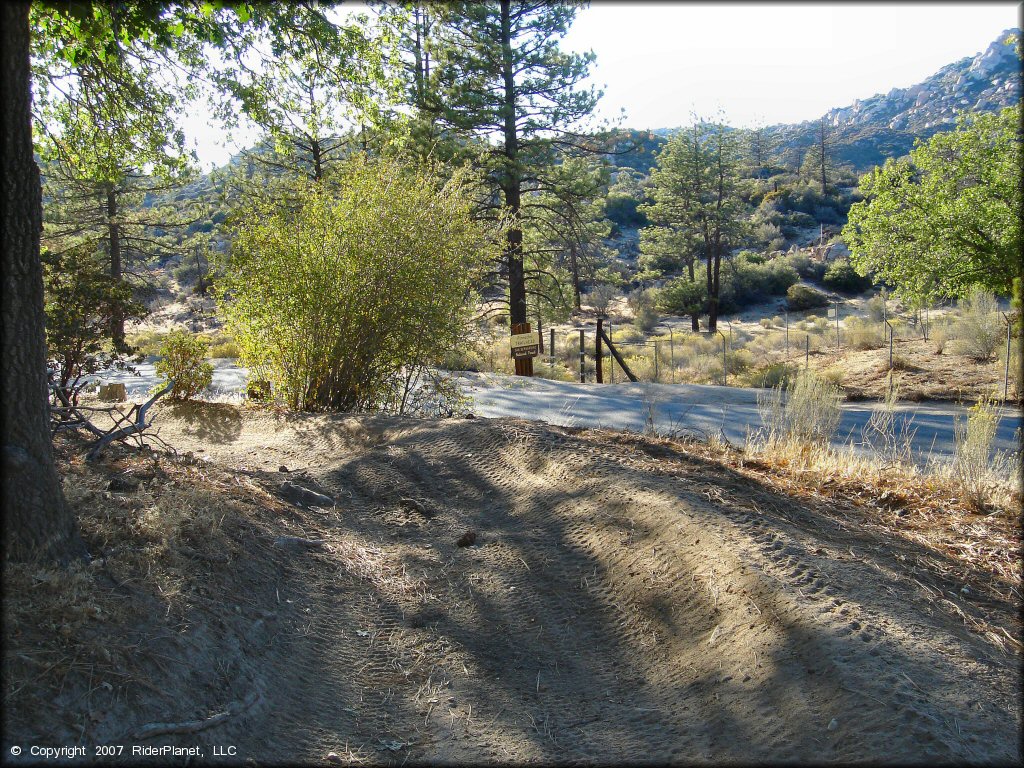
870 130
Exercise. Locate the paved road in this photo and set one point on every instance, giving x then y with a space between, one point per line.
728 411
705 409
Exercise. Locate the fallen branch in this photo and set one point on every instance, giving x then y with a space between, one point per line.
140 424
193 726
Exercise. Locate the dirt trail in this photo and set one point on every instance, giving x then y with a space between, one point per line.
623 601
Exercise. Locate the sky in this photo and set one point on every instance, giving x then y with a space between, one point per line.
748 63
771 62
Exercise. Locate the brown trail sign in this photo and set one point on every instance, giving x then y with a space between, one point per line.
524 346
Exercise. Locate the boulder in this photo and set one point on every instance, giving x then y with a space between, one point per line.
304 497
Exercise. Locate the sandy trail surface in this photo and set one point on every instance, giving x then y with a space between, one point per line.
623 601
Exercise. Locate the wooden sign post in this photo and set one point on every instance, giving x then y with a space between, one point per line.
524 346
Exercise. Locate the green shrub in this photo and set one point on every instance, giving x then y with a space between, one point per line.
862 333
645 317
148 342
183 361
973 439
739 360
345 297
841 276
879 308
81 299
681 297
773 375
744 282
622 210
600 297
834 375
624 334
800 297
979 331
224 349
258 390
805 267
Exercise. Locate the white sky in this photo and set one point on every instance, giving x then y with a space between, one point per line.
749 62
771 62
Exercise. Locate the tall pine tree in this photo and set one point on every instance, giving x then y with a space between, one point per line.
498 74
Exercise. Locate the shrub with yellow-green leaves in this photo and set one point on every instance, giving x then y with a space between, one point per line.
347 295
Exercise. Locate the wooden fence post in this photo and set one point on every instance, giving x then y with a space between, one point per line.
1006 371
597 352
583 357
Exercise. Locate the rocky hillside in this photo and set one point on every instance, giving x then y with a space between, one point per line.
870 130
885 125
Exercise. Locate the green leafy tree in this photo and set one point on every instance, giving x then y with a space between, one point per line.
81 299
347 299
697 211
948 217
317 83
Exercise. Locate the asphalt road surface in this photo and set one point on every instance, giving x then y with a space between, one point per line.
729 412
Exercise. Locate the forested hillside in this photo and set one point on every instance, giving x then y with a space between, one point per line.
856 138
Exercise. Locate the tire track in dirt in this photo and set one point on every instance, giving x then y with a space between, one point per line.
620 603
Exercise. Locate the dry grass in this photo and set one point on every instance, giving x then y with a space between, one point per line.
969 527
92 628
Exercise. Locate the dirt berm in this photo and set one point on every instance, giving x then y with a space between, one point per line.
623 601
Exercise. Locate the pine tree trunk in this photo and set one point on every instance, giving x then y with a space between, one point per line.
695 317
420 80
37 521
574 267
116 269
513 190
318 163
511 183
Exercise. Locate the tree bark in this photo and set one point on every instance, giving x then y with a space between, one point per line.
420 80
512 185
37 522
116 268
695 317
574 267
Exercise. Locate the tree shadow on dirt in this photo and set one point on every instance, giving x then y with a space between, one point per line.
217 422
549 636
